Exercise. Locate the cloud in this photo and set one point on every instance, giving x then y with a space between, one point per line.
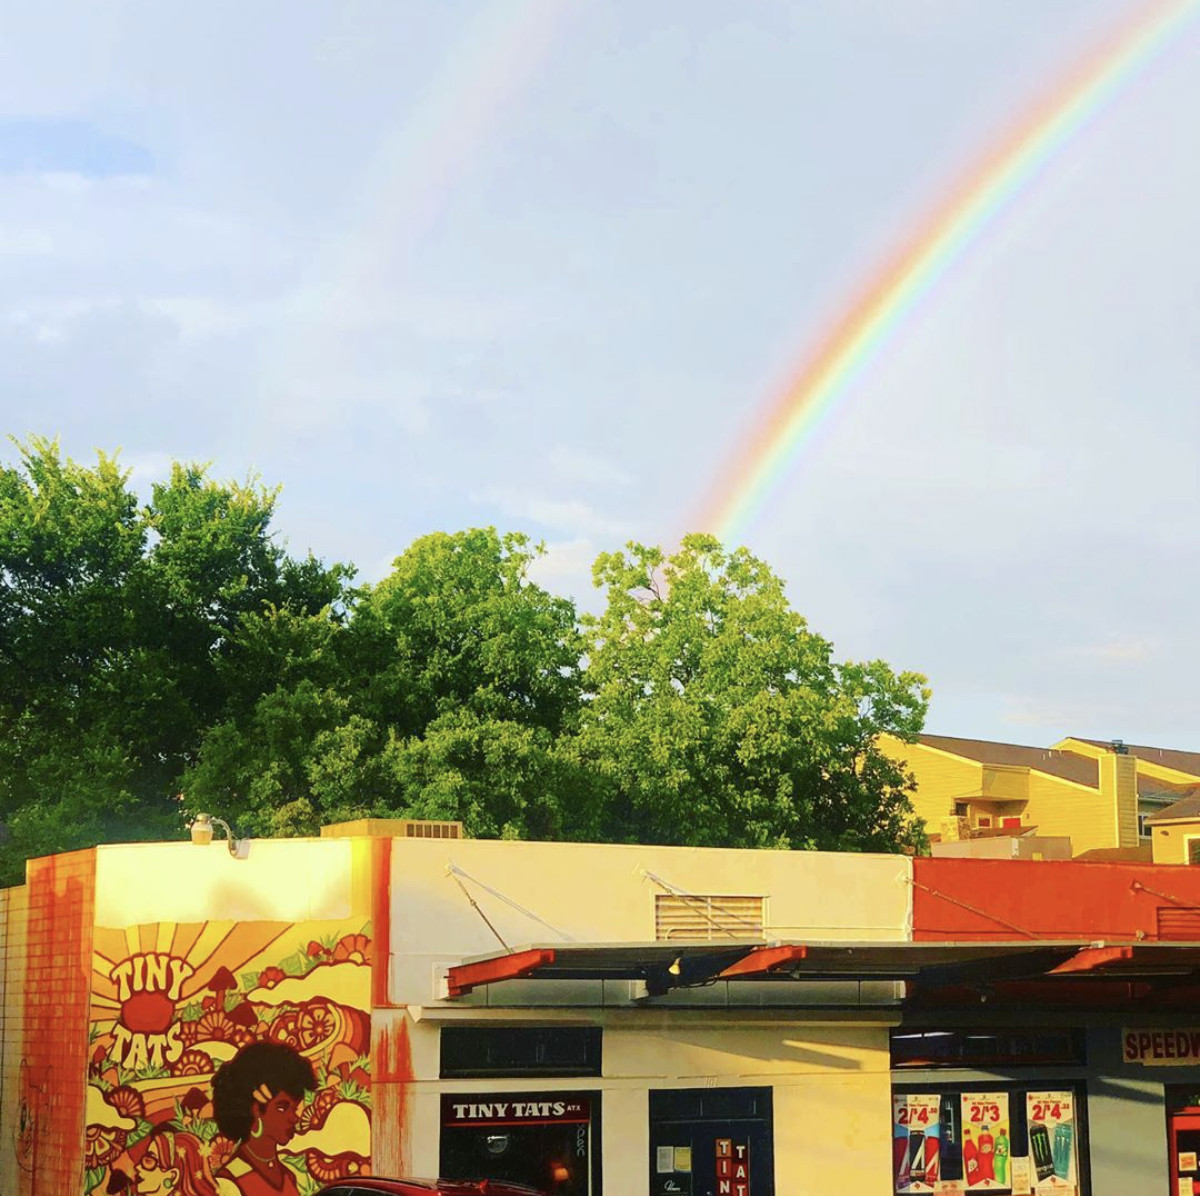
70 149
577 466
1133 650
570 515
566 568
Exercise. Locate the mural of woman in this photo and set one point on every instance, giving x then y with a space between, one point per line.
256 1103
173 1164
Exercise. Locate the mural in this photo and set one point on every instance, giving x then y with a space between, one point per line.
228 1059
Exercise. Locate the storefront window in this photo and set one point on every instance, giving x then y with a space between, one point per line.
986 1049
480 1051
547 1140
1003 1138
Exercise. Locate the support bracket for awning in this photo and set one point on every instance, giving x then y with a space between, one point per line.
763 960
462 979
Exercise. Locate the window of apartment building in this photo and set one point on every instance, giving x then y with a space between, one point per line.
1193 849
483 1051
1143 829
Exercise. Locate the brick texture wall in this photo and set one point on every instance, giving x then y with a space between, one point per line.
46 1002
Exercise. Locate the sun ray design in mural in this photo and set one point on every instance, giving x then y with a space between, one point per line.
172 1003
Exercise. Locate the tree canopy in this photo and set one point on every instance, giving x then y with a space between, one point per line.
167 656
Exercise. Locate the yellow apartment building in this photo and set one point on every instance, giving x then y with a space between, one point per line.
1098 794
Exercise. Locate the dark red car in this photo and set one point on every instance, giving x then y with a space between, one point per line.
379 1186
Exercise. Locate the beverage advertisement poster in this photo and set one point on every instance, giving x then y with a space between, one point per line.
986 1141
1052 1142
916 1140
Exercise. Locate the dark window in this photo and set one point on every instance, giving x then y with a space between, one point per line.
985 1048
520 1051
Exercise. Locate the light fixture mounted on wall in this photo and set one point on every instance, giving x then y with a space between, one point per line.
202 835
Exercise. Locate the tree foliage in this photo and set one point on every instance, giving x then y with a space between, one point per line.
172 647
115 619
716 717
446 695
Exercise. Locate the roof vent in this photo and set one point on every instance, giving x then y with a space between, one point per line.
427 828
395 828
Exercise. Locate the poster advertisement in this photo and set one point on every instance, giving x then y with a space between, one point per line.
986 1143
1052 1142
916 1140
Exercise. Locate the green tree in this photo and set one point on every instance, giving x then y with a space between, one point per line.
446 695
114 619
715 717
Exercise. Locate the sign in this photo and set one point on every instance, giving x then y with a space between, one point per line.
1161 1048
916 1142
673 1171
1051 1120
986 1144
733 1167
149 987
1019 1174
473 1110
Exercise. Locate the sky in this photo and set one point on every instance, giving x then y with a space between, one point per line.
543 265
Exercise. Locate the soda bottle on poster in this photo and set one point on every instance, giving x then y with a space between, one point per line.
986 1147
1001 1158
970 1154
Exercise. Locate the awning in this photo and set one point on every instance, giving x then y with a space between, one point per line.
664 966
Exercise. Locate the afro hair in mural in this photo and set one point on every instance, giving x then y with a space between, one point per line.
238 1084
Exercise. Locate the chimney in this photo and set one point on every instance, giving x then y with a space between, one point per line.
1118 785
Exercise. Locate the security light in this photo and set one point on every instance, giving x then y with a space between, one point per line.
202 834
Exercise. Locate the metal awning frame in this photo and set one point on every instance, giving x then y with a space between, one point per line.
925 966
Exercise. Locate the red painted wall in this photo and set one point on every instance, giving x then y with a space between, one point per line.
62 893
963 900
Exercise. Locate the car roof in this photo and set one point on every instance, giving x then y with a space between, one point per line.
403 1185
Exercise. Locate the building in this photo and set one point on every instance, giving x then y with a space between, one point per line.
636 1020
1098 795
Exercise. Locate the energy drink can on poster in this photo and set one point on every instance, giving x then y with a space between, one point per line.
933 1162
900 1157
1061 1149
1039 1147
916 1156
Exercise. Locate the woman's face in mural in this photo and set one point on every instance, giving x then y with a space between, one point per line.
279 1117
153 1178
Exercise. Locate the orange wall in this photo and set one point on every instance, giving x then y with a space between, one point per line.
49 1054
1048 899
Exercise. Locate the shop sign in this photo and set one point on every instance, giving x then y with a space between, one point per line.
916 1141
1051 1120
733 1167
673 1171
1161 1048
480 1110
986 1142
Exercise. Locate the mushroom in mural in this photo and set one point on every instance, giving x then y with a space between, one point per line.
223 981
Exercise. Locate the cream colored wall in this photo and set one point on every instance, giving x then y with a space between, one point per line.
942 779
603 894
831 1092
280 880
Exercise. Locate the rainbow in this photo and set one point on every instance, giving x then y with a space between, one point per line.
879 308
